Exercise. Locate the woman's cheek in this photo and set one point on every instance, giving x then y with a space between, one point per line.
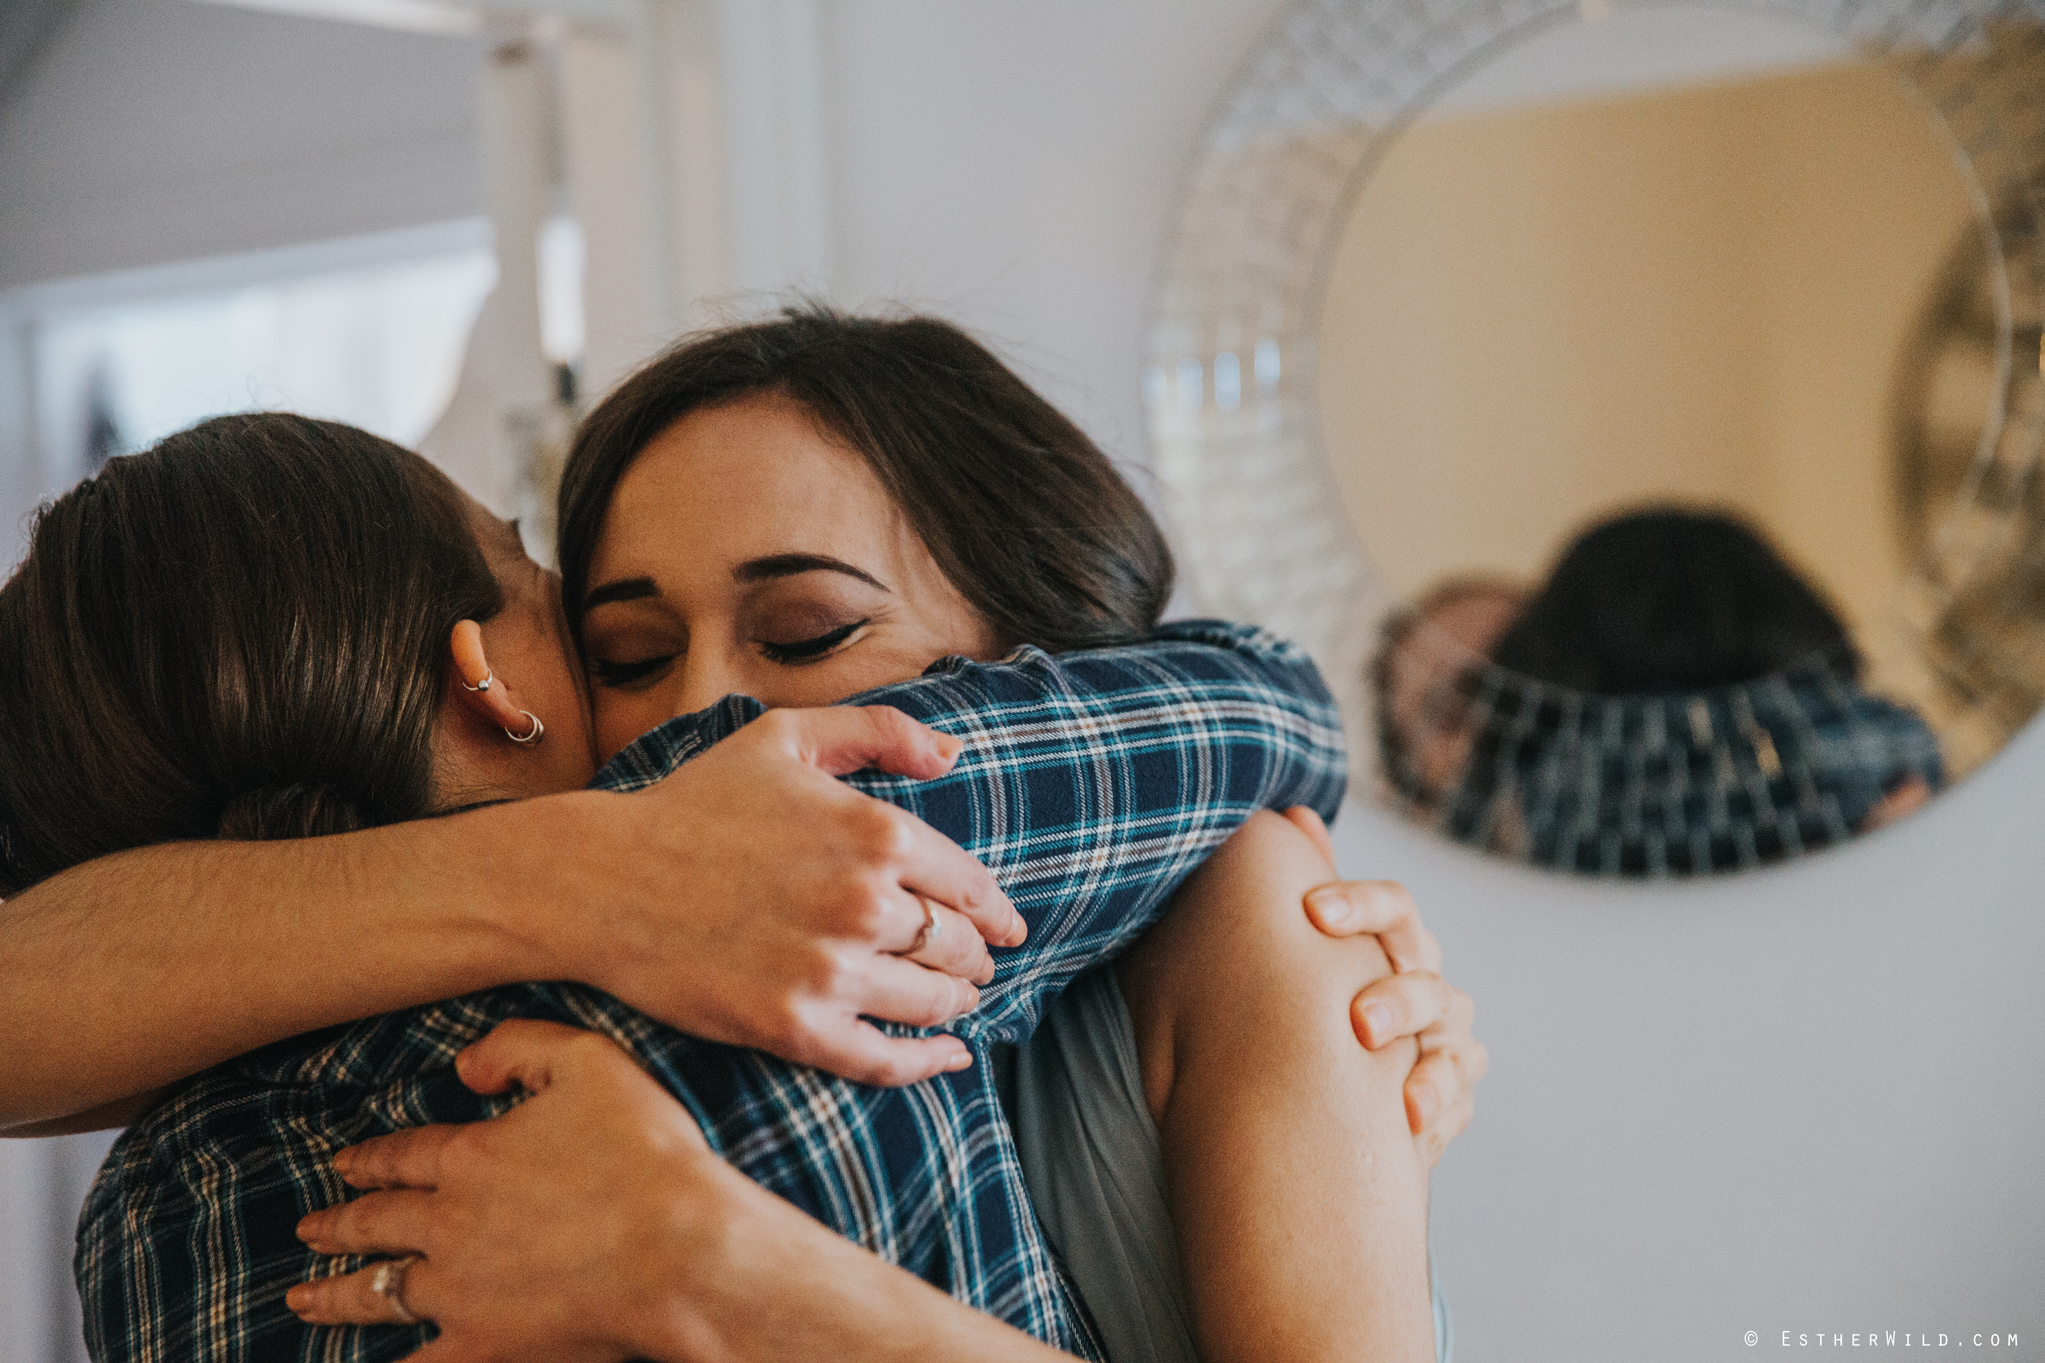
620 719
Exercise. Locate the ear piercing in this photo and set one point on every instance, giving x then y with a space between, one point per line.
483 685
539 730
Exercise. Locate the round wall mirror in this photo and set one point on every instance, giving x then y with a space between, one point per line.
1635 408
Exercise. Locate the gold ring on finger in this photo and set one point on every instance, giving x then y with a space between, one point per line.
932 927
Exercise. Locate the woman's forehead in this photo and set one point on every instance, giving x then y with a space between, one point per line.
757 475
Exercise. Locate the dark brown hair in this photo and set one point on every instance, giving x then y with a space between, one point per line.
1669 599
239 633
1024 515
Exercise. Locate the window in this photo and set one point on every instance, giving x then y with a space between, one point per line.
378 344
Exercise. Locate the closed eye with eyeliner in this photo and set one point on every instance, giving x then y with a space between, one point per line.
793 653
790 609
807 650
745 552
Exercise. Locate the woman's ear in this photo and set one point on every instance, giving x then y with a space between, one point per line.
474 686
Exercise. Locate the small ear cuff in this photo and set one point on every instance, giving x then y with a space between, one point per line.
483 685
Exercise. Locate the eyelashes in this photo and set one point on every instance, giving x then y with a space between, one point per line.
617 674
624 674
805 649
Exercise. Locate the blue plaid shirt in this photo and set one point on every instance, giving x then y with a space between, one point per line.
1091 785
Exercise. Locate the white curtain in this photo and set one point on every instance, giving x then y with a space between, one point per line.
42 1186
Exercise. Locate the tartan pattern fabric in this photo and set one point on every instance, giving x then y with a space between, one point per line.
1092 784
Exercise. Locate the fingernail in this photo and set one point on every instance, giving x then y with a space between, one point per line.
1423 1109
1377 1020
344 1160
295 1298
1331 905
972 1001
963 1060
1018 928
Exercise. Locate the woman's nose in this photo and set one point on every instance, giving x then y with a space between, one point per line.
708 676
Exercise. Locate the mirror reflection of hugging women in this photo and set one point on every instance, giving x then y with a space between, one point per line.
1677 699
269 627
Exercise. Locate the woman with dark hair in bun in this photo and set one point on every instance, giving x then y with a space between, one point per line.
736 530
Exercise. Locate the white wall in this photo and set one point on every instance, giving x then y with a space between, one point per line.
159 130
1013 166
1810 1099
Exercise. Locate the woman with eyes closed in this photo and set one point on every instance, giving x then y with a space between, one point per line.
763 514
815 583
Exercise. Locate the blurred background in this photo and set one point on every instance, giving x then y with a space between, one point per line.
1808 1098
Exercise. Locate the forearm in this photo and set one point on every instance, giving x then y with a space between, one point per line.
137 970
792 1289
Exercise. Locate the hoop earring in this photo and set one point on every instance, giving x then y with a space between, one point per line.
539 730
483 685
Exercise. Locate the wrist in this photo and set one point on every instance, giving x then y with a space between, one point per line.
701 1263
525 873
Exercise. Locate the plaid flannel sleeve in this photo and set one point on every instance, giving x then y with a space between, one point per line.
1092 783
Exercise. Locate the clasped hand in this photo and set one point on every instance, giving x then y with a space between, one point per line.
753 898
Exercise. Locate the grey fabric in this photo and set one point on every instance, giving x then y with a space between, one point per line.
1090 1158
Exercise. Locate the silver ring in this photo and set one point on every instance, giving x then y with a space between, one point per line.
483 685
932 929
539 730
389 1283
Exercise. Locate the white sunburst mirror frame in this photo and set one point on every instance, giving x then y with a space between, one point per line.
1230 379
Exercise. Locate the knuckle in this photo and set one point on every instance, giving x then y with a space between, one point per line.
878 830
894 1072
935 1005
868 912
344 1224
792 1034
466 1147
778 725
840 979
1385 901
811 975
1462 1008
890 723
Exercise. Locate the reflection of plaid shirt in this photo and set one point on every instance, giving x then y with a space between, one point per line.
1091 784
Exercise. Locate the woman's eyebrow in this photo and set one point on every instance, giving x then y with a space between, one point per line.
788 565
624 589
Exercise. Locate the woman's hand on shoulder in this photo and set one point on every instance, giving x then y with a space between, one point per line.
753 898
548 1232
1415 1001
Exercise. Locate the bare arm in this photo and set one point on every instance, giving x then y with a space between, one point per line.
571 1159
1297 1188
749 898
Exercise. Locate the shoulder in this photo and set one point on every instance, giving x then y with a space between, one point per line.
198 1203
1185 664
310 1095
